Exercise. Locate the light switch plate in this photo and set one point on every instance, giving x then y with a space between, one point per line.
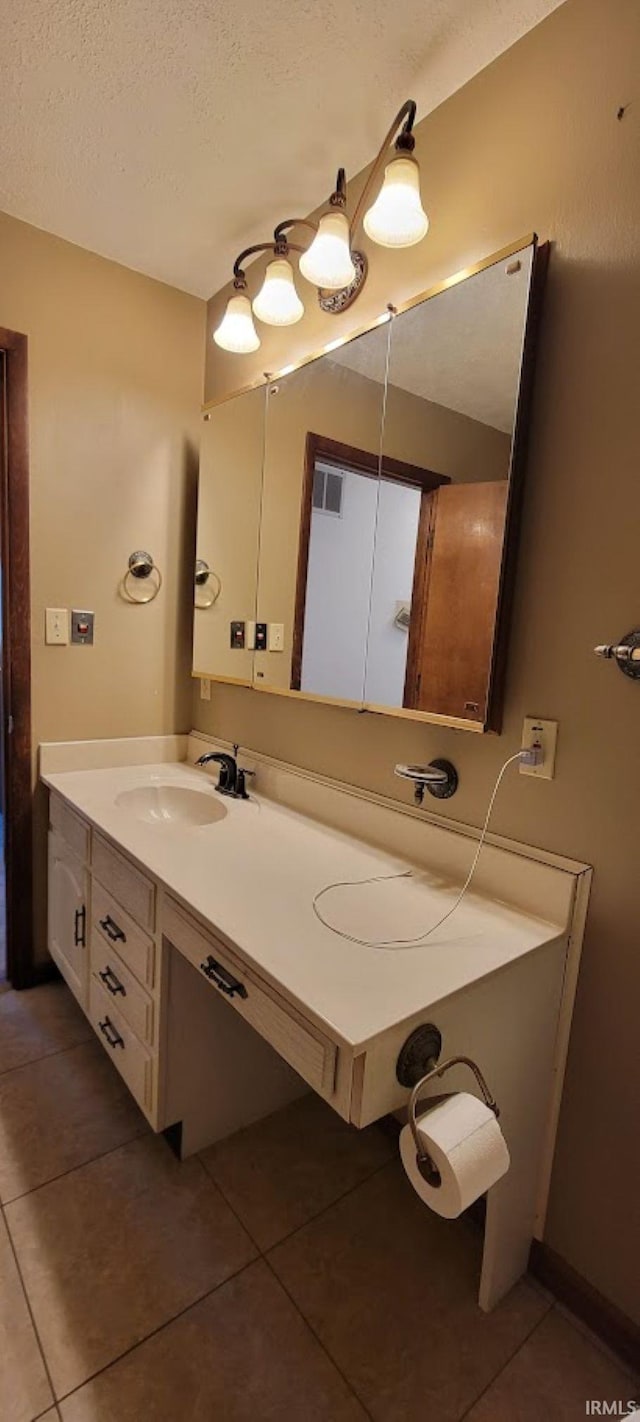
276 637
82 627
56 626
205 688
535 731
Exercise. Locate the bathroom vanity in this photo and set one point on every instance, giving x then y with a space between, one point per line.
183 923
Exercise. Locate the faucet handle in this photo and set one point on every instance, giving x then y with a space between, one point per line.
241 788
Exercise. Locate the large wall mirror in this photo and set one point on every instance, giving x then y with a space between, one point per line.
376 489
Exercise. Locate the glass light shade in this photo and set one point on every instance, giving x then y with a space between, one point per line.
277 302
397 217
236 331
327 262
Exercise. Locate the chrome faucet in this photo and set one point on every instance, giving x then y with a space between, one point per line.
232 777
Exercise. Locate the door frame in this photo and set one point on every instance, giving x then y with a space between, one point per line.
361 461
16 656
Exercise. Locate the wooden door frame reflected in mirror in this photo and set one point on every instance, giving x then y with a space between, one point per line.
371 465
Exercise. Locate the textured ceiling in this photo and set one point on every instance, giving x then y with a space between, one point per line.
461 349
167 134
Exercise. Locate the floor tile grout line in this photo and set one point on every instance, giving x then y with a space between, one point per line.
507 1364
166 1323
321 1344
318 1215
72 1169
266 1261
44 1057
30 1312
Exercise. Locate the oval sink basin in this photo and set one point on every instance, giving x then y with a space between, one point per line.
172 805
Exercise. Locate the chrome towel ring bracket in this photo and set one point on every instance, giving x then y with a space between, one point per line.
141 567
626 653
205 596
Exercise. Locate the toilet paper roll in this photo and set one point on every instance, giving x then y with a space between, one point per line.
464 1140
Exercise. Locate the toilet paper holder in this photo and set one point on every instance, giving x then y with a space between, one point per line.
428 1169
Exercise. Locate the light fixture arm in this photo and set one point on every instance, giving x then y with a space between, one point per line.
405 143
239 276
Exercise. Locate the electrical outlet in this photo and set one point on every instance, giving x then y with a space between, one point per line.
535 731
276 637
56 627
205 688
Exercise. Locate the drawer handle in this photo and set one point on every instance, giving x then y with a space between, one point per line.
112 930
79 927
111 1033
111 981
222 978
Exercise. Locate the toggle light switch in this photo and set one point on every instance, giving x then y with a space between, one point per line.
56 627
276 637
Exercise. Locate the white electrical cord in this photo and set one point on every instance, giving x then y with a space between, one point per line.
409 874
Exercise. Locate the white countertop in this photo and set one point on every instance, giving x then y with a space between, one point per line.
252 876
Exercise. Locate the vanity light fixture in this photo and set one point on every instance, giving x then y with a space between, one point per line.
330 261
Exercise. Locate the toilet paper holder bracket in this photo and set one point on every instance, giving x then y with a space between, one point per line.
428 1169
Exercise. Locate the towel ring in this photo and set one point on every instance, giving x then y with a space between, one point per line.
202 575
140 566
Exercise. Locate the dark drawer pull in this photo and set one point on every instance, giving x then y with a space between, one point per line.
79 927
112 930
111 1033
111 981
223 979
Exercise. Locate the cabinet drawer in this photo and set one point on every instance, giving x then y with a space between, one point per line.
124 990
127 883
301 1044
73 829
133 1061
114 926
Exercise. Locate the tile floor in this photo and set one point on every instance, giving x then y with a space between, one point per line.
286 1273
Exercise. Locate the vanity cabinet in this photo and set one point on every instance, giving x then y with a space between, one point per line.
68 898
190 1060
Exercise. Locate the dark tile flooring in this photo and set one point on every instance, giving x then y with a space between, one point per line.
287 1273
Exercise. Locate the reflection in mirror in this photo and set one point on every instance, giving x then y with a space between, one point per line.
229 492
454 372
322 444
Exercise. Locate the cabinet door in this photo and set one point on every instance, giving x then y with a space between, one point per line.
68 916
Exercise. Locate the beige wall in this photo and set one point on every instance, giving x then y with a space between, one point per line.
534 143
115 371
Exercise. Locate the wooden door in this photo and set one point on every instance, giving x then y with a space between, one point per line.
68 916
449 664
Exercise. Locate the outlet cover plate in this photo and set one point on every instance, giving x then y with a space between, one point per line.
535 729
